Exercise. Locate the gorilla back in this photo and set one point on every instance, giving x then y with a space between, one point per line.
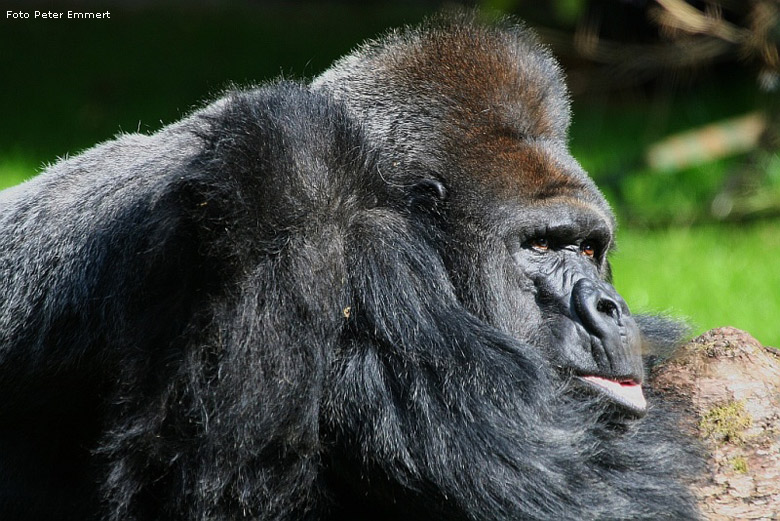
269 310
134 274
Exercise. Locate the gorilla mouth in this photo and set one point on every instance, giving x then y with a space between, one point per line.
627 393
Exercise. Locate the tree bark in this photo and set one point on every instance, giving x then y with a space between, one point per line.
728 386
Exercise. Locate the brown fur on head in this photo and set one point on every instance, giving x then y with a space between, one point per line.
467 101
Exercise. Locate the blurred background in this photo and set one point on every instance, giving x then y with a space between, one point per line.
676 113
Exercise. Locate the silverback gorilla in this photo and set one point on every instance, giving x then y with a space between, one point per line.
381 296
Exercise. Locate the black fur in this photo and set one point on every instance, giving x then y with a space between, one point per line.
252 314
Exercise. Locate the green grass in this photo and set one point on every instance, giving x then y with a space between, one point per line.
15 169
715 275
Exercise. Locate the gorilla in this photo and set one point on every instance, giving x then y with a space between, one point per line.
383 294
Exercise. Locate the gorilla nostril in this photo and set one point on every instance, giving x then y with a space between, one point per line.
608 307
596 305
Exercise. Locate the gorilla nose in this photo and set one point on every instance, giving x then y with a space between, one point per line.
598 306
605 316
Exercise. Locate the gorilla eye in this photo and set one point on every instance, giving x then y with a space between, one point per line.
540 244
588 249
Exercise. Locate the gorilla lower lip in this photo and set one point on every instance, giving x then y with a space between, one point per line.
628 393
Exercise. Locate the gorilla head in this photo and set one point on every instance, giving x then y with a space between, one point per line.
473 119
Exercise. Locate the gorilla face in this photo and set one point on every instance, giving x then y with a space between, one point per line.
537 268
583 324
480 139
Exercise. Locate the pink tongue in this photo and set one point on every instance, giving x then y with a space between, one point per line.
630 392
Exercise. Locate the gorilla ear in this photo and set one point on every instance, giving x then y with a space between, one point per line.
427 193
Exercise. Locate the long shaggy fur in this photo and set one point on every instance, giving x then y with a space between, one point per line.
243 316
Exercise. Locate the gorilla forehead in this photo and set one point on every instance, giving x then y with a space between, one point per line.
456 72
523 170
482 77
490 106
